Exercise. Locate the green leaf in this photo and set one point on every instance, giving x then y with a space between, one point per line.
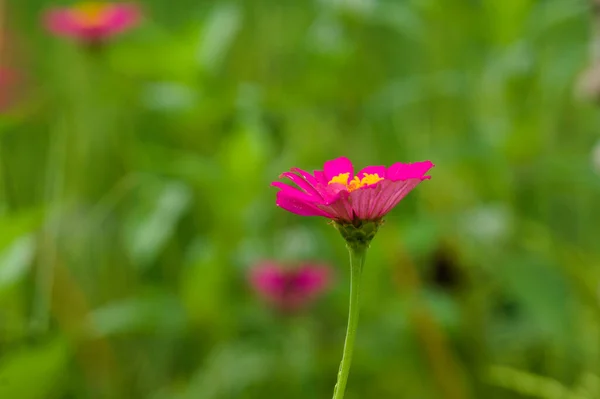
34 373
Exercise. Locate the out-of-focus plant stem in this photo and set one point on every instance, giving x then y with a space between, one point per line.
71 310
445 368
49 242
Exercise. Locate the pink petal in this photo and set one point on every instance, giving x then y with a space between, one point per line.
329 192
339 209
267 279
332 192
303 184
336 167
320 177
311 280
296 205
379 170
405 171
386 190
307 176
115 18
294 192
364 201
315 182
391 194
94 33
61 22
289 289
122 17
374 202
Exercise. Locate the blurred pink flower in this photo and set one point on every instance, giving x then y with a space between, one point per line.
290 289
13 74
337 193
92 22
9 87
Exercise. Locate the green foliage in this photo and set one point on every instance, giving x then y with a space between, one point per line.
36 372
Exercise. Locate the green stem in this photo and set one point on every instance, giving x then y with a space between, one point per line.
357 260
44 280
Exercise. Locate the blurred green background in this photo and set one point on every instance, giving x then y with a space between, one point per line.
134 198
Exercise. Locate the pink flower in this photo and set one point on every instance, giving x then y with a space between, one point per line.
289 289
92 22
9 87
337 193
13 75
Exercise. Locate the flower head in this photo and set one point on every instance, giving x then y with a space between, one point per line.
289 289
92 22
347 198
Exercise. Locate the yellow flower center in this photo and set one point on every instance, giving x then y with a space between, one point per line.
90 13
355 183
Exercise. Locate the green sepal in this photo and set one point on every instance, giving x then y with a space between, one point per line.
358 234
